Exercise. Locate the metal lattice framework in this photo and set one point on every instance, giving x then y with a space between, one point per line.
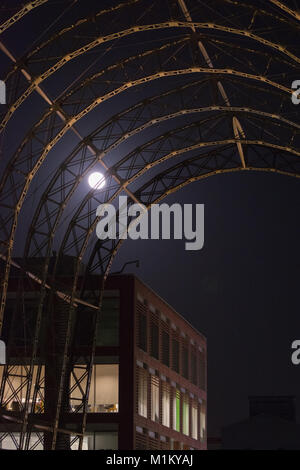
158 94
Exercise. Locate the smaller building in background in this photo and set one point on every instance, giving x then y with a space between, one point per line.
271 426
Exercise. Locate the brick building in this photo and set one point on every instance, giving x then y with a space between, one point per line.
148 388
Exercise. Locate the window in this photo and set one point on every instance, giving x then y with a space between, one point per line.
99 441
154 340
106 440
154 398
175 355
185 362
194 420
104 391
202 421
185 416
142 331
202 370
176 410
142 391
108 327
9 441
20 317
14 394
166 402
194 367
91 441
106 388
165 356
107 332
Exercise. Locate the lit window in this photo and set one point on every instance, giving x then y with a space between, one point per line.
185 416
202 422
154 398
142 392
176 410
14 393
10 441
195 421
104 390
166 404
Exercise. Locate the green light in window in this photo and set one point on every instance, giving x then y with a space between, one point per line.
177 411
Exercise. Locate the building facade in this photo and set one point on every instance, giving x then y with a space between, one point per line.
170 377
148 386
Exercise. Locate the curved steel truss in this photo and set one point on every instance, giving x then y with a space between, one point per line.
154 94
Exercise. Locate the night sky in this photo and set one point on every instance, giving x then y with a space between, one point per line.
241 290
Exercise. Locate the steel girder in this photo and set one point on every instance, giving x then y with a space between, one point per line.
22 12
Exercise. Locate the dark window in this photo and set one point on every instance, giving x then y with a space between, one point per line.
20 317
142 339
7 322
165 348
202 371
194 368
175 355
108 327
107 332
154 340
185 362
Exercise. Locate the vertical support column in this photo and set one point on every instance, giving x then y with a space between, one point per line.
56 338
127 364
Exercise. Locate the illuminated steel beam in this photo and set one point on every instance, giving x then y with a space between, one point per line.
289 11
17 16
133 30
61 295
237 127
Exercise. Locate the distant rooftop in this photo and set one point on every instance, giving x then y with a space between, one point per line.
280 406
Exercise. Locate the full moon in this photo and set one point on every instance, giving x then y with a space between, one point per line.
96 180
